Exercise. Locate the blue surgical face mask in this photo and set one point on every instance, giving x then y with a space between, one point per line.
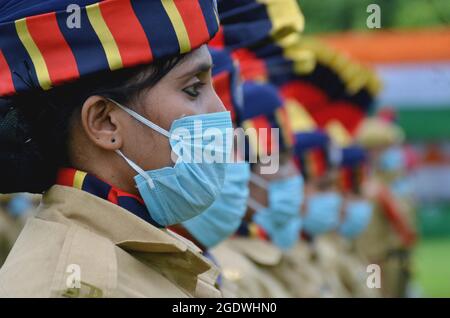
176 194
223 218
392 160
402 187
357 217
322 213
281 219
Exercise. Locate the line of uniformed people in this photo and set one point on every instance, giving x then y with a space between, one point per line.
200 229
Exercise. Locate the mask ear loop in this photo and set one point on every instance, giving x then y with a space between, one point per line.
137 169
260 182
146 122
263 184
255 205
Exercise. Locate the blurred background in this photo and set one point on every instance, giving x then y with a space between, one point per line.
411 53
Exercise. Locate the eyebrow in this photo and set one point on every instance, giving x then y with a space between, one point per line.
197 69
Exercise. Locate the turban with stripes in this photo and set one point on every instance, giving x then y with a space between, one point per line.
262 112
313 153
246 23
50 42
352 169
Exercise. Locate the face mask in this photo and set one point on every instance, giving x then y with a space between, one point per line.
402 187
322 213
176 194
282 235
392 160
281 219
223 218
357 218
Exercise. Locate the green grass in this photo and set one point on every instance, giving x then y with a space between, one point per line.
432 267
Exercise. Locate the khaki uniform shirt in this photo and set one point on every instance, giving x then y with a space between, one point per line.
350 267
79 245
246 265
326 259
299 273
381 245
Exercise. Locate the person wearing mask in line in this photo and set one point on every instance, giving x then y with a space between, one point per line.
271 222
355 217
340 119
390 235
317 158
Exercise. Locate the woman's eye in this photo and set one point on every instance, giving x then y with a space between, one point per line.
193 90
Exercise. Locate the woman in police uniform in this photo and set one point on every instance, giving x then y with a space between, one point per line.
91 125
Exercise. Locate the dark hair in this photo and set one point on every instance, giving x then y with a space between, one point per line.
35 126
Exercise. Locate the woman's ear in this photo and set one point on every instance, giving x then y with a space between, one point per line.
100 121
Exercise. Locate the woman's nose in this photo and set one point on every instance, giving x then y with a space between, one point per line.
215 105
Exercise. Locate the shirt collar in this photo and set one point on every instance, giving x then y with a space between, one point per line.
81 180
251 230
68 205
